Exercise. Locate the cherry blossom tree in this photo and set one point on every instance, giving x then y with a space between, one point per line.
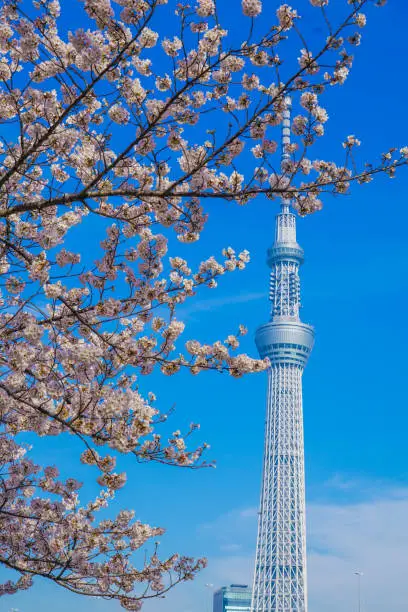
111 125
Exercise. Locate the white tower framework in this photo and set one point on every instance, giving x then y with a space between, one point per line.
280 568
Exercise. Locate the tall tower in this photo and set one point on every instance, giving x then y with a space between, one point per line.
280 568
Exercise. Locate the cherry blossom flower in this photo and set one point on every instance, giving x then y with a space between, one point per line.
205 8
251 8
286 16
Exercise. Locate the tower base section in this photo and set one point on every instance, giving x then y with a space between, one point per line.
280 568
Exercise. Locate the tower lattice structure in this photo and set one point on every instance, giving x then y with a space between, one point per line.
280 569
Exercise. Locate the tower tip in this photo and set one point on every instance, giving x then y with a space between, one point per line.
285 205
286 131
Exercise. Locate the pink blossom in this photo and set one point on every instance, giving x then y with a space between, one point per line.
251 8
205 8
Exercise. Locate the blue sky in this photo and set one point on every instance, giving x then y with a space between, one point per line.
355 293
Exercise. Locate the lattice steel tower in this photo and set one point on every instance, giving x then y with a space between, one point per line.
280 568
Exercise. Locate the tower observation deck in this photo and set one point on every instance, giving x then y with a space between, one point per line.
280 567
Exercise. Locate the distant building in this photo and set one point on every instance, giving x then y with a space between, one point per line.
234 598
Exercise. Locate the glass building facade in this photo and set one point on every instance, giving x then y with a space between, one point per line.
233 598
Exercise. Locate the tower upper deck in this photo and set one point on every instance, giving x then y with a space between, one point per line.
285 339
285 246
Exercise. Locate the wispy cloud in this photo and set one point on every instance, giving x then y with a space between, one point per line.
214 304
371 536
231 548
342 483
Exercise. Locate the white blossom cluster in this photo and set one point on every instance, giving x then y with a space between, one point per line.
251 8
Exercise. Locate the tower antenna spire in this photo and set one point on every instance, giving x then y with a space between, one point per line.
286 132
285 155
